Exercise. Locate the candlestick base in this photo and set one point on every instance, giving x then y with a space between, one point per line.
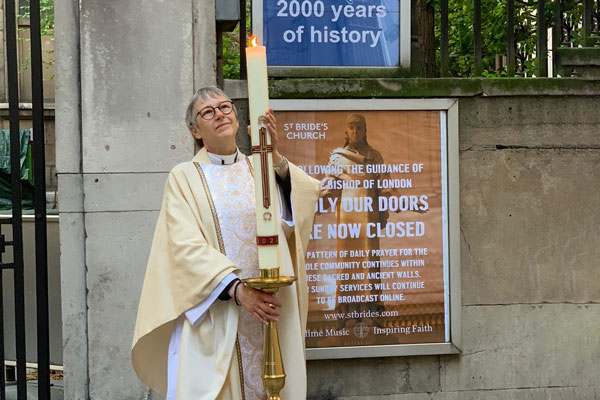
273 372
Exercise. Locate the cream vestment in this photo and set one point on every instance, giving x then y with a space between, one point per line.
190 257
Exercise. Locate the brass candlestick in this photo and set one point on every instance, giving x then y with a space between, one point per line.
273 371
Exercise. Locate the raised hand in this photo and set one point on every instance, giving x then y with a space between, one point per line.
271 123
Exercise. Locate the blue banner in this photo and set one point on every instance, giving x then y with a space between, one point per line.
337 33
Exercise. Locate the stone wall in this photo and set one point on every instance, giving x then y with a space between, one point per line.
530 245
530 161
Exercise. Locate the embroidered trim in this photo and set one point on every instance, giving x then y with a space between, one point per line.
250 165
241 369
213 210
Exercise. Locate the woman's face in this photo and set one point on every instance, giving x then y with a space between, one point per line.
356 131
217 133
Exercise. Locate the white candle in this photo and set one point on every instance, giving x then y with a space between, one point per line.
267 218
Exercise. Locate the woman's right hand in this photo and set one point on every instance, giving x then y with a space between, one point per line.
259 304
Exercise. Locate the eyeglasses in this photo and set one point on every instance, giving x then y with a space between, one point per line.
208 113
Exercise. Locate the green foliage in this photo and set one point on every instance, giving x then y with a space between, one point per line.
494 34
47 17
572 14
231 48
46 29
231 54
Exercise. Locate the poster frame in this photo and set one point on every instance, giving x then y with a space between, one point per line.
404 55
453 295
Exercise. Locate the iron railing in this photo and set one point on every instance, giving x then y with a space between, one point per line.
39 200
587 27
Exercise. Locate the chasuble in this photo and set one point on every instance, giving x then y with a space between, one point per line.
203 235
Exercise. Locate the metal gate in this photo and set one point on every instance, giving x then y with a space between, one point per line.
39 201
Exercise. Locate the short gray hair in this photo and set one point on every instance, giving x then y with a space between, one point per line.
203 94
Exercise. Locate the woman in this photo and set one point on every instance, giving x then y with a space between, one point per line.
199 328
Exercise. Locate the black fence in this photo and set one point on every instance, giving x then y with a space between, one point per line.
573 24
39 201
465 38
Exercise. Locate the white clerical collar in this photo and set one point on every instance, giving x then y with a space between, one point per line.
220 159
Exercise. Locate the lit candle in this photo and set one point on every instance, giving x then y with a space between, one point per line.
267 219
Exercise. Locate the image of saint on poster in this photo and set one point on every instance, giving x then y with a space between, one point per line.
349 181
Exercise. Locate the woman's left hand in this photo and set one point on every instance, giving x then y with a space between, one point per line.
271 123
272 127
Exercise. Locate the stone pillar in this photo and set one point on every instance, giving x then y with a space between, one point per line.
69 171
205 38
126 71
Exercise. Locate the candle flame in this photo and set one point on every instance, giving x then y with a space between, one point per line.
253 41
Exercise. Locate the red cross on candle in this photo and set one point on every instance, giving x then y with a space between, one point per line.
264 149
